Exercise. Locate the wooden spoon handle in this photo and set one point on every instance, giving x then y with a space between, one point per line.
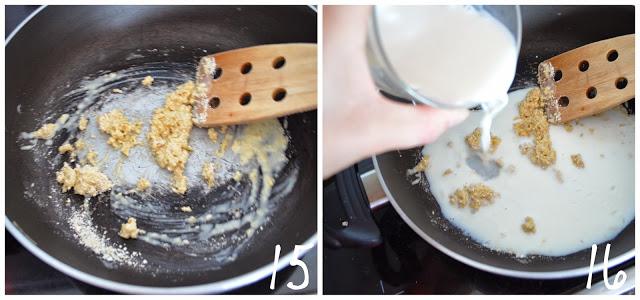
588 80
259 82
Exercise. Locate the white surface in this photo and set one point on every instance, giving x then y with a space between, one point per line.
592 205
451 54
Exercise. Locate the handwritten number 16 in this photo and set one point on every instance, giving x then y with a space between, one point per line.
618 280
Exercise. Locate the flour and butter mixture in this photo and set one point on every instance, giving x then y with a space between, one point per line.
560 188
132 146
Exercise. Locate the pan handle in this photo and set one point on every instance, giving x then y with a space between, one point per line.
348 221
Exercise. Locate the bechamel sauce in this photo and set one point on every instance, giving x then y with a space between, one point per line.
451 54
592 205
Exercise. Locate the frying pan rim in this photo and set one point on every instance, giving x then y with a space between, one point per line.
215 287
487 267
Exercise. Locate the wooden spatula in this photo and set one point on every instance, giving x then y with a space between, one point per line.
255 83
588 80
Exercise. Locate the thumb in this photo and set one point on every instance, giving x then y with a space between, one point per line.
402 126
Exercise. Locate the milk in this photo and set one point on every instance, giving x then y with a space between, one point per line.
587 206
454 55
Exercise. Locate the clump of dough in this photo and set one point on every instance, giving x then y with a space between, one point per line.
79 144
459 197
143 184
83 123
86 180
422 165
213 134
474 141
529 226
92 158
186 209
122 133
474 196
169 134
46 132
533 122
129 230
577 161
568 127
66 147
207 174
225 141
147 81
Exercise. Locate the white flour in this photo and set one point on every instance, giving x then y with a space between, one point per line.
88 236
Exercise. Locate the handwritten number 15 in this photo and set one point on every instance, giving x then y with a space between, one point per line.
294 262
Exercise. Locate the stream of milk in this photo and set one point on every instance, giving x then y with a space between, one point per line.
455 55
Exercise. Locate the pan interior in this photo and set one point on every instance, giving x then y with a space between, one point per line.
165 42
420 208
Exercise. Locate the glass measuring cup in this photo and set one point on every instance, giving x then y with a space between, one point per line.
388 81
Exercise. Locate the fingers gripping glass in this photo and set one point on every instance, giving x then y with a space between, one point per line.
390 84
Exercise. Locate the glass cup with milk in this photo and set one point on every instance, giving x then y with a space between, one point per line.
446 56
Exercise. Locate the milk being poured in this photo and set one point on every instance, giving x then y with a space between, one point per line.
454 55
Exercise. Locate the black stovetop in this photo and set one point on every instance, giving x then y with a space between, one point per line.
406 264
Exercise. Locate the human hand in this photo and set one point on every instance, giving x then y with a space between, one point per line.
357 121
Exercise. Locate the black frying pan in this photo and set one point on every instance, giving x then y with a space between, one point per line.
547 31
57 47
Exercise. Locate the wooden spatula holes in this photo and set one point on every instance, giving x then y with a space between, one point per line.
612 55
245 99
278 62
217 73
279 94
563 101
592 92
557 75
621 83
214 102
583 66
246 68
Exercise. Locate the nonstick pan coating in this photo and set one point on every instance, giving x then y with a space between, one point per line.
62 44
547 31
